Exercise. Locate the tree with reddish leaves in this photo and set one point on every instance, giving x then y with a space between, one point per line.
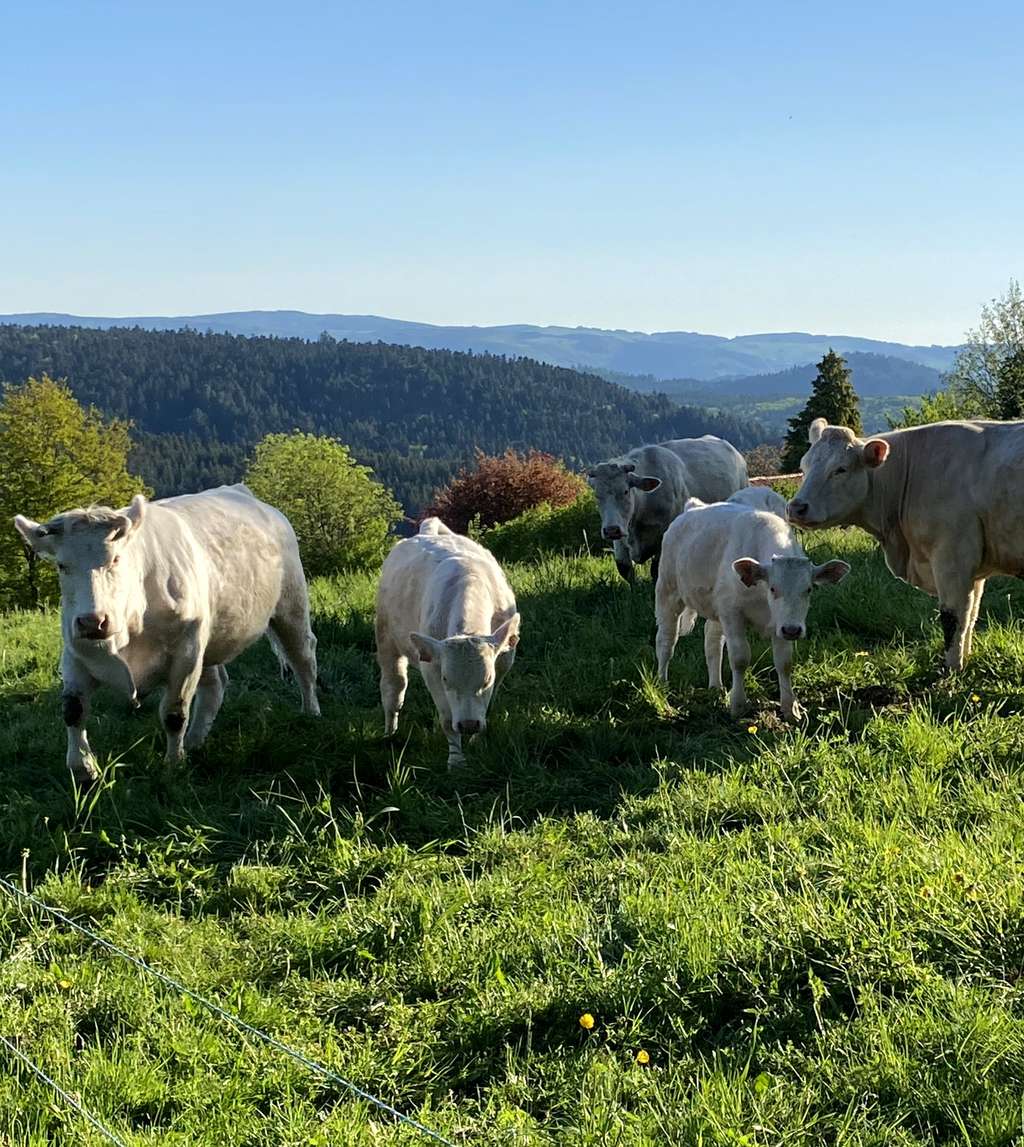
503 486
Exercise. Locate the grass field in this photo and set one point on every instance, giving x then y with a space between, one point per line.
816 934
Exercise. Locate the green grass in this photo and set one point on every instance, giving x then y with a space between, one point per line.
816 933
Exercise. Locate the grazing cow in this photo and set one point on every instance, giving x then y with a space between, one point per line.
641 492
760 498
735 567
943 499
167 593
444 604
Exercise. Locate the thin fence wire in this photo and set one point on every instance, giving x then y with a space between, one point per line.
217 1010
68 1098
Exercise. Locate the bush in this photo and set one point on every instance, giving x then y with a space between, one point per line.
340 514
764 460
502 487
547 529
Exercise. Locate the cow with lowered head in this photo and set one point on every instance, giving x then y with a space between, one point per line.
639 493
165 594
942 499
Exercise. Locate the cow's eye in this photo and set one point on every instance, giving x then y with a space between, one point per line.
838 470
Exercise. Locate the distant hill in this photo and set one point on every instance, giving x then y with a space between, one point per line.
201 401
874 376
664 355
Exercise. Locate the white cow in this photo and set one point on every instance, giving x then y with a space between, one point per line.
760 498
943 500
735 567
639 493
167 593
444 604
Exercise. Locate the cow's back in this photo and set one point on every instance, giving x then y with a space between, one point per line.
715 469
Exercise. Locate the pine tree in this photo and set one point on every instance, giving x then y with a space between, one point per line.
832 398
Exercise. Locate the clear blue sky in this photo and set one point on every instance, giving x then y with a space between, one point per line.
724 167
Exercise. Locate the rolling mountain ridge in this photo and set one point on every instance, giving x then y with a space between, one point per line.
663 355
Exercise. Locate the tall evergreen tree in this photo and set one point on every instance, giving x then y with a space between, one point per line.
832 398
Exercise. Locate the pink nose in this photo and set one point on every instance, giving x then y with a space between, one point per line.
612 533
469 726
92 624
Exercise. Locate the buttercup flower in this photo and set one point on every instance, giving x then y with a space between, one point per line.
751 729
587 1021
642 1056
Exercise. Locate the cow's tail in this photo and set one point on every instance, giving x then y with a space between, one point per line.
282 659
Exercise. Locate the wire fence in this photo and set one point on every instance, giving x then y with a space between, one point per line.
312 1065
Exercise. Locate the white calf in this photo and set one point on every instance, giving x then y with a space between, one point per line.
443 603
760 498
736 567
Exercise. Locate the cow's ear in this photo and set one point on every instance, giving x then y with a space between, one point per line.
34 535
750 571
815 429
506 636
647 485
831 573
130 520
876 450
428 649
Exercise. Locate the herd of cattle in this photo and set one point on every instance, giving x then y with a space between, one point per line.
166 593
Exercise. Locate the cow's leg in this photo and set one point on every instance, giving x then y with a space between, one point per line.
209 697
739 661
714 642
78 688
976 596
182 682
623 562
674 621
291 627
954 583
432 677
394 680
782 653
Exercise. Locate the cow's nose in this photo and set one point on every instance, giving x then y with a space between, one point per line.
792 632
92 624
468 726
612 533
796 509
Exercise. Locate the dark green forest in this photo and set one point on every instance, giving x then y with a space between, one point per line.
200 401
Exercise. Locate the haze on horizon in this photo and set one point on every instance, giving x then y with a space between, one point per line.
748 169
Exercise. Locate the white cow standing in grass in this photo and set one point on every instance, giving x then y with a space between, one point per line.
944 500
639 493
736 566
444 604
167 593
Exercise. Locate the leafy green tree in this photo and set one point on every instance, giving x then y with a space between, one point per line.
939 406
832 398
54 455
987 371
340 514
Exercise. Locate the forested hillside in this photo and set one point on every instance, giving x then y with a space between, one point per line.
201 401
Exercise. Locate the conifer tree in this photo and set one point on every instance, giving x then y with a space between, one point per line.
832 398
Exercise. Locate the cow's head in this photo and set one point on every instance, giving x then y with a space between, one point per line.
789 581
835 471
91 551
467 665
616 485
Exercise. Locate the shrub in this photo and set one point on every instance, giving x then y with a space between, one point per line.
340 514
547 529
764 460
502 487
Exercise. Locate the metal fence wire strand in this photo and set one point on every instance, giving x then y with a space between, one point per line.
237 1021
68 1098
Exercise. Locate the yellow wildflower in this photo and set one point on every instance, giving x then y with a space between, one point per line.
975 698
751 729
642 1056
587 1021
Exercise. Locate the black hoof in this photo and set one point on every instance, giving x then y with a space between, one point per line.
626 570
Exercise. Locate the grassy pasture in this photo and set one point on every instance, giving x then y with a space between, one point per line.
816 934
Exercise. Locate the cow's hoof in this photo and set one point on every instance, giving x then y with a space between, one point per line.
456 763
627 571
85 775
794 713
